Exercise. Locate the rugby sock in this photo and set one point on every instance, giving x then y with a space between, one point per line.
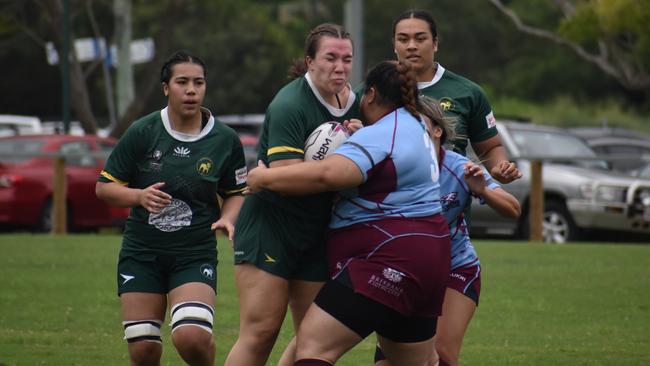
379 355
311 362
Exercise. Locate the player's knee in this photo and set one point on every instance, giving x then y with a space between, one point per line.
192 314
192 340
447 353
145 344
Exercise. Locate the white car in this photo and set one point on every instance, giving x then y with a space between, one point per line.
580 194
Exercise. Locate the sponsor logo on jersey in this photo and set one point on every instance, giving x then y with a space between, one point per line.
446 104
491 121
157 155
173 217
459 276
204 166
207 271
181 152
240 175
449 201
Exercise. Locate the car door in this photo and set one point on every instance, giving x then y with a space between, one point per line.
81 175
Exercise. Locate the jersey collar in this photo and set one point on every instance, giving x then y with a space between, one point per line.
439 71
336 112
184 136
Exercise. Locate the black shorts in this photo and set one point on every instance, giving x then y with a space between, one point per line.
364 316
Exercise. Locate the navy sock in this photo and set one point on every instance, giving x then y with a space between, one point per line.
379 355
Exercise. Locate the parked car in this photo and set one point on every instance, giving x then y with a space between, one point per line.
610 142
581 195
26 181
248 127
11 124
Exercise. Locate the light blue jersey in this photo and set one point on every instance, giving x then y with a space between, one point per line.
400 172
454 193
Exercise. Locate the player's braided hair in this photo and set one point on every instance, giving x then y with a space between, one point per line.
179 57
312 42
396 85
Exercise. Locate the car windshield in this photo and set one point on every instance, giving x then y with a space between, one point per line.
553 144
16 151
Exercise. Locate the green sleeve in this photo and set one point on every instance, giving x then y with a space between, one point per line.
481 124
121 164
234 171
287 131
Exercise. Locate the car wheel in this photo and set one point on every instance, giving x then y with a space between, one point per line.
557 227
45 220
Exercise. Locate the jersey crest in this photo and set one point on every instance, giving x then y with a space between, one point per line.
449 201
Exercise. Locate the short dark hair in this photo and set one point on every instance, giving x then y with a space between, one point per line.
179 57
417 14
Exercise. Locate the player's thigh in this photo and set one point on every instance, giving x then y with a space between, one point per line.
301 296
193 291
323 336
406 354
263 297
143 306
458 309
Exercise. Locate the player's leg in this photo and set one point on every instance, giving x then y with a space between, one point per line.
142 315
406 353
457 312
192 319
263 299
301 296
338 320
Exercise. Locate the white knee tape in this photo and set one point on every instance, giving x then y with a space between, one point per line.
142 330
192 313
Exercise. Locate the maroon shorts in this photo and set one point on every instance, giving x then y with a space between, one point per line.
467 281
402 263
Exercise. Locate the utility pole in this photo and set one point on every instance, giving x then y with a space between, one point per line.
123 35
353 14
65 67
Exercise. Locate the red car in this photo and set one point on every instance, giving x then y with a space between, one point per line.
26 182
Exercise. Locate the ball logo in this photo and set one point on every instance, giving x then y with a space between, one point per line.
207 271
173 217
323 140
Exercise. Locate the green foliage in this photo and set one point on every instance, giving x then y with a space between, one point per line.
540 305
566 112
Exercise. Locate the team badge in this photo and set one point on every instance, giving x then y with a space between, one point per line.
173 217
446 104
449 201
207 271
392 275
155 163
204 166
157 155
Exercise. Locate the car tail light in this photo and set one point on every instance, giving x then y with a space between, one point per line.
9 180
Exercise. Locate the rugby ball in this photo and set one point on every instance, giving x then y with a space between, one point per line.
324 140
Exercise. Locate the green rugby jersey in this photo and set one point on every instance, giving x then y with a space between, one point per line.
297 109
195 169
466 102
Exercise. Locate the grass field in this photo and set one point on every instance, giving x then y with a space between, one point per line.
578 304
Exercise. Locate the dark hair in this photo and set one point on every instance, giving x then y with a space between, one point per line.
417 14
179 57
396 85
312 42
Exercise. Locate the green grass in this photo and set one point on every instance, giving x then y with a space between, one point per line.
577 304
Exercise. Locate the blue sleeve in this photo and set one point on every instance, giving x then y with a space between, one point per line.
367 147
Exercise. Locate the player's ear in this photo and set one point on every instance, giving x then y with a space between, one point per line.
370 95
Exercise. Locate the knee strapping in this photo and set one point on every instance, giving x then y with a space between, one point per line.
192 313
142 330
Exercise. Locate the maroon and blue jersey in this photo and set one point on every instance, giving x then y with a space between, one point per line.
400 172
454 194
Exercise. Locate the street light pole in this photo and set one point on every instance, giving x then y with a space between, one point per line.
65 67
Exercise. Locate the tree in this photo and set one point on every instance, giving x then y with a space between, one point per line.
614 35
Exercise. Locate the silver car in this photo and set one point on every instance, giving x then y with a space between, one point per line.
580 194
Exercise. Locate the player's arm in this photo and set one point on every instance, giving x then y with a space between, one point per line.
116 194
498 199
229 212
334 173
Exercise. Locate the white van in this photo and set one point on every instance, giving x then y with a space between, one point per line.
19 125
